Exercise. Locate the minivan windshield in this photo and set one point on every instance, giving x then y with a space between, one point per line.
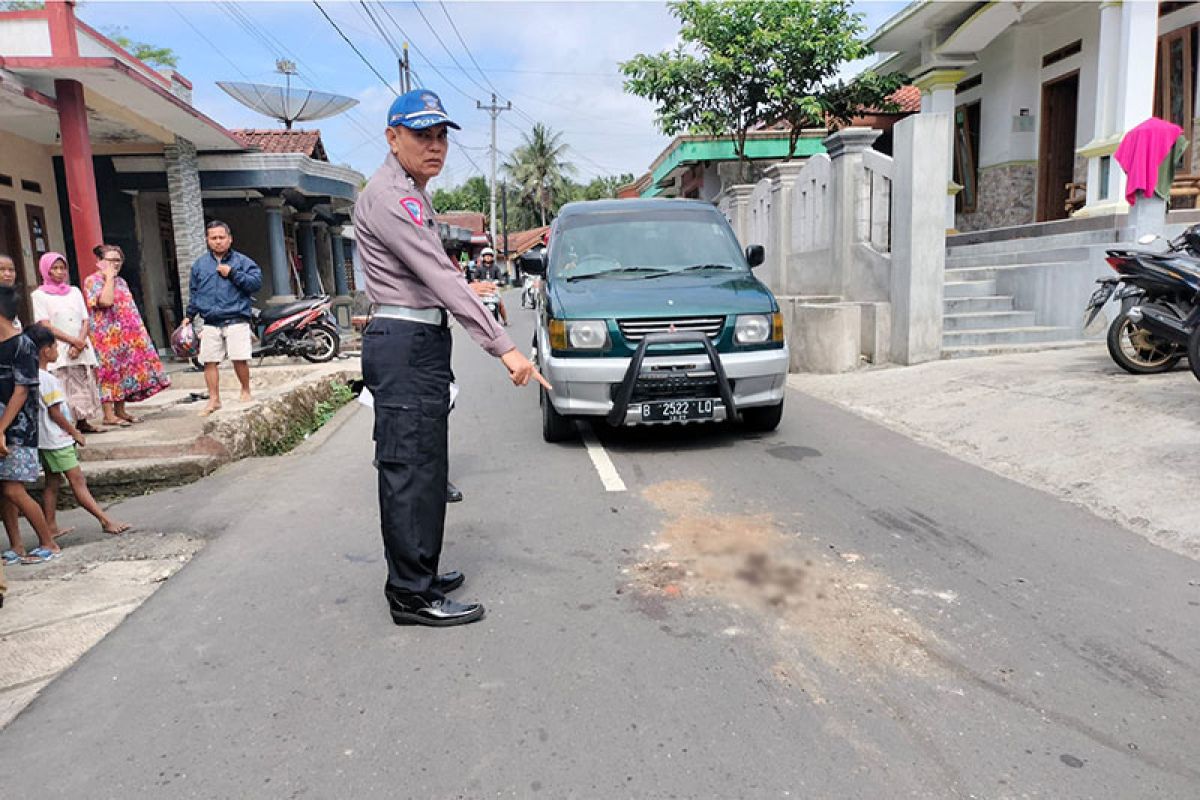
644 244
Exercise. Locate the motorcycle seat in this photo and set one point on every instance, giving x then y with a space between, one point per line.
272 313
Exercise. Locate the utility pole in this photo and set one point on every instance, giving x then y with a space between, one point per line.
405 74
504 227
494 110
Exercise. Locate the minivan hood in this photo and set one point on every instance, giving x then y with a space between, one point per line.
670 296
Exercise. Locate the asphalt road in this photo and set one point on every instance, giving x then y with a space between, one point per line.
830 611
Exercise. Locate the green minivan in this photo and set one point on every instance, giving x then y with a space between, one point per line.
649 314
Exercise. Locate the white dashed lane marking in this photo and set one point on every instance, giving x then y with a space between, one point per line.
600 460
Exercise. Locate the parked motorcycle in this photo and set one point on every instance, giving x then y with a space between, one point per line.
1159 293
304 328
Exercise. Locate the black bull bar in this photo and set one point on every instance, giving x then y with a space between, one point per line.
625 391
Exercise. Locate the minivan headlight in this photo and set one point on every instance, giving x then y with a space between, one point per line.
579 334
753 329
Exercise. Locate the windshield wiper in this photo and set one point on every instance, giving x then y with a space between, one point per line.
606 272
693 268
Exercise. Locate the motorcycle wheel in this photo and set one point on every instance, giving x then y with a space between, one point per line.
325 344
1137 352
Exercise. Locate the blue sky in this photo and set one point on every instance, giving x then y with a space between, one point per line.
556 62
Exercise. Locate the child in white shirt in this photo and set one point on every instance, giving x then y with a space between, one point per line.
57 438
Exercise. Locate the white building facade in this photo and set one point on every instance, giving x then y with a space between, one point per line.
1041 94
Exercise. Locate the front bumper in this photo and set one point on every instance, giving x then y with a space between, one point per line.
586 386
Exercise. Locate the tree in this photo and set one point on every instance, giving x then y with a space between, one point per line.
539 169
22 5
745 63
150 54
473 195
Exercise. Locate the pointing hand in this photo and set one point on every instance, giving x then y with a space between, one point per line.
521 370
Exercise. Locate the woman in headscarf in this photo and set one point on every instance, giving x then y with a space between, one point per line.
60 307
129 369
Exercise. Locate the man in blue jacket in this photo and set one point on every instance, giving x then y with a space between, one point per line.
222 283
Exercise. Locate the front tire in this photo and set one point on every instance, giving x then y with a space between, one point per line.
1138 352
763 419
325 344
1193 352
555 427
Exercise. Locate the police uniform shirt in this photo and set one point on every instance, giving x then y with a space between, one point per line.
403 259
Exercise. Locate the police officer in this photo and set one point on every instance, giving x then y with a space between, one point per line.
406 357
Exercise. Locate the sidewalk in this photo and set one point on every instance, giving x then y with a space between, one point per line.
173 444
56 612
1069 422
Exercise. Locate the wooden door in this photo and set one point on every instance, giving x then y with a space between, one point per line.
10 245
1056 155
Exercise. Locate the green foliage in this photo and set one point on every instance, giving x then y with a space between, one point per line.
539 170
474 195
22 5
307 423
152 55
743 63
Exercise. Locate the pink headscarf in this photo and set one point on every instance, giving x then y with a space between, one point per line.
49 285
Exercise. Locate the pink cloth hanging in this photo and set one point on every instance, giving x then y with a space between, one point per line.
1141 153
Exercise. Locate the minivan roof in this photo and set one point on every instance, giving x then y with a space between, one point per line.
632 205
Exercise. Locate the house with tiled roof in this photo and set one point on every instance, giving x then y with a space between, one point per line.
98 146
305 142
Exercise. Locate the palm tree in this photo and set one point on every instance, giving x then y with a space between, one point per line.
539 169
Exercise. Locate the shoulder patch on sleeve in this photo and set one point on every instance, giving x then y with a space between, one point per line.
415 210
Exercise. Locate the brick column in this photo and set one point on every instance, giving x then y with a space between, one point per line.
187 209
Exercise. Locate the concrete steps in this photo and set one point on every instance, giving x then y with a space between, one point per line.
971 288
988 320
966 305
976 351
1003 336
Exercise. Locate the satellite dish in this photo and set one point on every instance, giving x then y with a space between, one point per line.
284 103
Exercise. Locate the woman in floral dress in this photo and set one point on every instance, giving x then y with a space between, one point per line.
130 369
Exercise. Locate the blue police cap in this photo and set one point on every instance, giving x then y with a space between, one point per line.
419 109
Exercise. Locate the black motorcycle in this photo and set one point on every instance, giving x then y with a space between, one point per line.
1159 293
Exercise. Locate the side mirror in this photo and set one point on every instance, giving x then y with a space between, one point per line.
533 263
755 255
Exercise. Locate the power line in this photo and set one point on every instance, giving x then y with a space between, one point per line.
437 36
466 47
353 46
421 53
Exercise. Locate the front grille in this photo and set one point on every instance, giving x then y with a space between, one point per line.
650 386
634 330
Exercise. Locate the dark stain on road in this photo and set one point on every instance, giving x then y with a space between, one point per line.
791 452
1070 760
354 558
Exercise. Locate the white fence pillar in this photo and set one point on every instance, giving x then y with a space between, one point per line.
734 203
783 178
845 149
922 168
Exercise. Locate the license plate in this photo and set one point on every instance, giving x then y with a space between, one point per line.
677 410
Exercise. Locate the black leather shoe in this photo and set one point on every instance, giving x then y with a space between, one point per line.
415 610
448 581
453 495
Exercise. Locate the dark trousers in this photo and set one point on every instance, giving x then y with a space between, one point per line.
406 367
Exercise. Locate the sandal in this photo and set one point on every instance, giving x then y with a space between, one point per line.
129 418
115 423
42 555
11 557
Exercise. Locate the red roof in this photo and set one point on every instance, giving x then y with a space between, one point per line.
520 241
908 98
306 143
473 221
